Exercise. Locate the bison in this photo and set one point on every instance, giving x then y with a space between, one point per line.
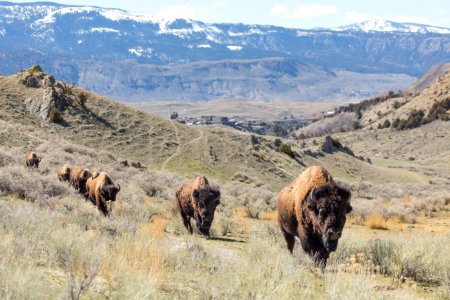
78 177
64 173
100 188
197 199
313 207
32 160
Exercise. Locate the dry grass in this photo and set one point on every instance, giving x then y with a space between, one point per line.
269 216
376 222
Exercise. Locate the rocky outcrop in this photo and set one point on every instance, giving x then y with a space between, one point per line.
41 106
35 78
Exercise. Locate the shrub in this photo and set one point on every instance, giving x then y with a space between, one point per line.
286 149
277 143
82 98
55 116
66 89
254 140
376 222
36 69
386 124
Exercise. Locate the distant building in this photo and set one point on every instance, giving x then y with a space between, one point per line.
329 114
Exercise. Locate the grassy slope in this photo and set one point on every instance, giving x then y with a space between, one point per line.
437 91
53 244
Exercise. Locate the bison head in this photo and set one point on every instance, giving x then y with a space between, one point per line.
66 174
109 192
328 205
206 201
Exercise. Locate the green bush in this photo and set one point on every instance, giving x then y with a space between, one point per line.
36 69
286 149
56 116
82 98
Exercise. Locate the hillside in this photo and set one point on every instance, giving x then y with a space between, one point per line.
405 106
131 56
268 80
57 245
158 143
429 78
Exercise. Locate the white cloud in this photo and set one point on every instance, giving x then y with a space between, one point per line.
176 11
302 11
279 10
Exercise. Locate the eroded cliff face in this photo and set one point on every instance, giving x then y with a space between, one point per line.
41 104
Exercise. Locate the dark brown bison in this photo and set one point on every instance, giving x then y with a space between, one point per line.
197 199
32 160
64 173
313 208
100 188
78 177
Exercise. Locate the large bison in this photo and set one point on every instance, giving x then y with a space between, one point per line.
64 173
100 188
313 208
32 160
197 199
78 177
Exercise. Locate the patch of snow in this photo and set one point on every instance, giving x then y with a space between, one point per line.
139 51
204 46
382 25
249 32
104 29
234 48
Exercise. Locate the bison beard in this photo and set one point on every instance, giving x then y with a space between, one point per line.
197 199
313 208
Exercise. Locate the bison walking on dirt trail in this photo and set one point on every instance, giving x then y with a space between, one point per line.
197 199
313 207
100 188
32 160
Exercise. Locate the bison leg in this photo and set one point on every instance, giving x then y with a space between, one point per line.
102 207
186 221
320 258
290 240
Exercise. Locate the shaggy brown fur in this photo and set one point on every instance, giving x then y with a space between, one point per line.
64 173
197 199
78 177
90 187
32 160
313 208
100 189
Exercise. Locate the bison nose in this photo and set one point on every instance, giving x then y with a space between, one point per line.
334 234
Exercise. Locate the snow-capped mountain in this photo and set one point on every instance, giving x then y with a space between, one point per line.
73 42
383 25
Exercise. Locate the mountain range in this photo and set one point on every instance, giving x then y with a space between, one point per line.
133 56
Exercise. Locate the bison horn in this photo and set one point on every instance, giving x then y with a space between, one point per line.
118 187
40 159
310 196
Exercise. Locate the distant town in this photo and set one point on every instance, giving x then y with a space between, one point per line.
280 127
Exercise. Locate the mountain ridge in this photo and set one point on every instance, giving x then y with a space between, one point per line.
66 43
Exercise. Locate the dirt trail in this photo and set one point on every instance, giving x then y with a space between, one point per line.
201 135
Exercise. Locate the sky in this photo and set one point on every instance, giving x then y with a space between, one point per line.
287 13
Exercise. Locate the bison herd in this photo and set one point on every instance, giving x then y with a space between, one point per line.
313 207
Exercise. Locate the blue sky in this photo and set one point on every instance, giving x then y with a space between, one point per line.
288 13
